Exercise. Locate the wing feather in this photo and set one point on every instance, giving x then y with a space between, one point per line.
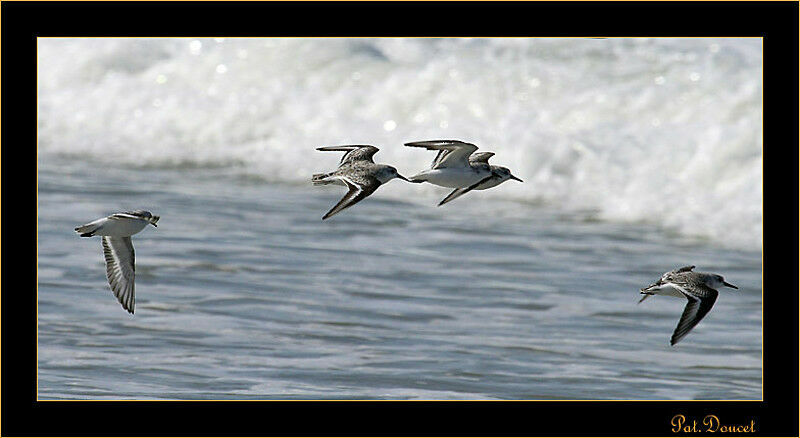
353 152
695 310
462 190
357 190
120 269
456 152
481 157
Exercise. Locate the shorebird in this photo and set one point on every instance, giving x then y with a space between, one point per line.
116 231
700 288
451 167
498 176
357 172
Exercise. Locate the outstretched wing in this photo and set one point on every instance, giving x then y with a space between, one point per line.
695 310
358 189
120 269
452 153
461 190
354 152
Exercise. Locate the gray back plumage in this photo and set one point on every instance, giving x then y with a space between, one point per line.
144 214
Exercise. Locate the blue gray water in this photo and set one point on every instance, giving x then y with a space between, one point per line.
638 156
244 293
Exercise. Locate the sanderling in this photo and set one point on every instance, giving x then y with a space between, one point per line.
116 231
498 176
452 166
698 287
357 172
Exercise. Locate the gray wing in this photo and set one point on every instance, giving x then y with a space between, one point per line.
683 269
438 157
452 153
124 215
695 310
120 269
358 189
481 157
461 190
677 276
354 152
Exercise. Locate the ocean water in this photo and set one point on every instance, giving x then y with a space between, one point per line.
638 156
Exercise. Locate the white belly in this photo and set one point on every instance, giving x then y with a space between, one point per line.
453 177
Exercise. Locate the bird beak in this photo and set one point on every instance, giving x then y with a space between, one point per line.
514 177
153 220
729 285
403 178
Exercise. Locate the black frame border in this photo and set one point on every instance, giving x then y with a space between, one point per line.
23 22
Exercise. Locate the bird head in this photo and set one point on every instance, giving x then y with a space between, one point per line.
505 174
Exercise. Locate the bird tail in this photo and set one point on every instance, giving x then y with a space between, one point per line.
88 230
318 179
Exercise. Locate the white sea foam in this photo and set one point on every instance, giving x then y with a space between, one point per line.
662 130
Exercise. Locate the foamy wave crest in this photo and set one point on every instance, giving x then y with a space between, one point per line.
664 130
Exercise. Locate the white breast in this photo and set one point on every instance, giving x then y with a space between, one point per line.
454 177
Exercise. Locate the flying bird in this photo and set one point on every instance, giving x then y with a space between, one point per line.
498 176
700 288
357 172
116 231
452 166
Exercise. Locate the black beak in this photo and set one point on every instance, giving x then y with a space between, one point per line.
514 177
729 285
403 178
648 288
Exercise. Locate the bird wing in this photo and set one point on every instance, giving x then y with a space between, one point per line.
89 229
452 153
358 189
120 269
695 310
461 190
354 152
481 157
124 215
683 269
675 276
438 157
453 195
